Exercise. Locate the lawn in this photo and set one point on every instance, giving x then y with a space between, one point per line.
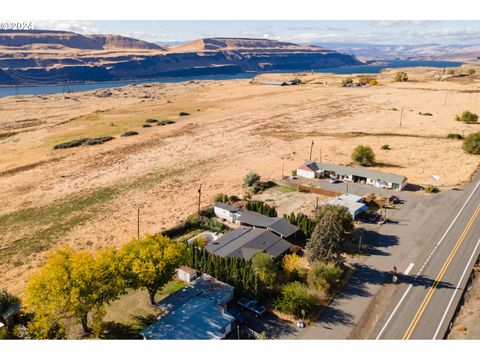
132 312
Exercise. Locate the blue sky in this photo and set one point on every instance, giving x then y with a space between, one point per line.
302 31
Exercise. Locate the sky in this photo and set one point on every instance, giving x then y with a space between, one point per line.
407 32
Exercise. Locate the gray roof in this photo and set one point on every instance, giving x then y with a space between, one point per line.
281 226
245 242
349 170
227 207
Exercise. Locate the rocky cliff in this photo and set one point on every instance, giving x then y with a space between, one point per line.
38 57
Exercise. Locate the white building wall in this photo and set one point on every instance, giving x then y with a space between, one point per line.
306 174
224 214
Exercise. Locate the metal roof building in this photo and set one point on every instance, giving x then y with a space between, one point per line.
195 312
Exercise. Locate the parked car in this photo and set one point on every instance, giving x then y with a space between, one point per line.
334 181
252 305
237 314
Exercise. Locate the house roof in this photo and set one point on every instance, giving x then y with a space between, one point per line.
283 227
278 225
187 269
306 168
245 242
199 318
350 197
227 207
353 207
193 312
362 172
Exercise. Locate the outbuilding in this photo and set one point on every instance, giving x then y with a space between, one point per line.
226 211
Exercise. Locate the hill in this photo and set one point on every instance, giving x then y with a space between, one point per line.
43 56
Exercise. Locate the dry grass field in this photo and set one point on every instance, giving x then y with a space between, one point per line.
88 196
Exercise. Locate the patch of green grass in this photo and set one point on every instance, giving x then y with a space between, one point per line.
285 189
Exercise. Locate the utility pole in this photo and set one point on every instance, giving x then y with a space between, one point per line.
401 116
199 197
320 155
346 183
283 165
445 100
138 223
311 149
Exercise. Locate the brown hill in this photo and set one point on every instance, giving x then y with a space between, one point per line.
242 44
49 39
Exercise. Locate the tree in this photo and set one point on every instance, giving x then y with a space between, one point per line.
326 242
72 285
401 76
151 262
363 155
220 197
340 213
265 268
294 267
323 276
471 143
251 178
296 300
467 117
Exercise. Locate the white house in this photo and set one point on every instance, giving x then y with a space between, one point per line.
226 212
354 208
306 172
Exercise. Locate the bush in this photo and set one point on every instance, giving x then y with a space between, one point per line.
471 71
183 113
296 300
261 208
455 136
200 241
324 277
363 155
430 189
151 121
471 143
265 268
251 178
129 133
425 114
293 266
385 147
467 117
165 122
84 141
233 199
146 125
451 72
347 81
220 197
256 188
401 76
373 82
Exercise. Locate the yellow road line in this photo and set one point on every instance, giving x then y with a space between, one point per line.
425 302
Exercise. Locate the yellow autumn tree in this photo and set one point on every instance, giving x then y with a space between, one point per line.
72 286
151 262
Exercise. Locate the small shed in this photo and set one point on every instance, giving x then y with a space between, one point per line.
186 274
226 212
306 172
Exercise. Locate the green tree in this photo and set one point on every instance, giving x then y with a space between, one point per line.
296 300
341 215
363 155
326 241
471 143
401 76
323 276
251 178
72 285
467 117
151 262
7 300
265 268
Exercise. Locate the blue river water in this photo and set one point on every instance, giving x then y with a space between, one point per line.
75 87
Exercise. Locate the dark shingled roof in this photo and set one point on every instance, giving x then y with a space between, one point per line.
280 226
245 242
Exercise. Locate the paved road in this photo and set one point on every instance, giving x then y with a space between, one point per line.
418 225
424 306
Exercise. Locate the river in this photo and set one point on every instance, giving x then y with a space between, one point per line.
76 87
